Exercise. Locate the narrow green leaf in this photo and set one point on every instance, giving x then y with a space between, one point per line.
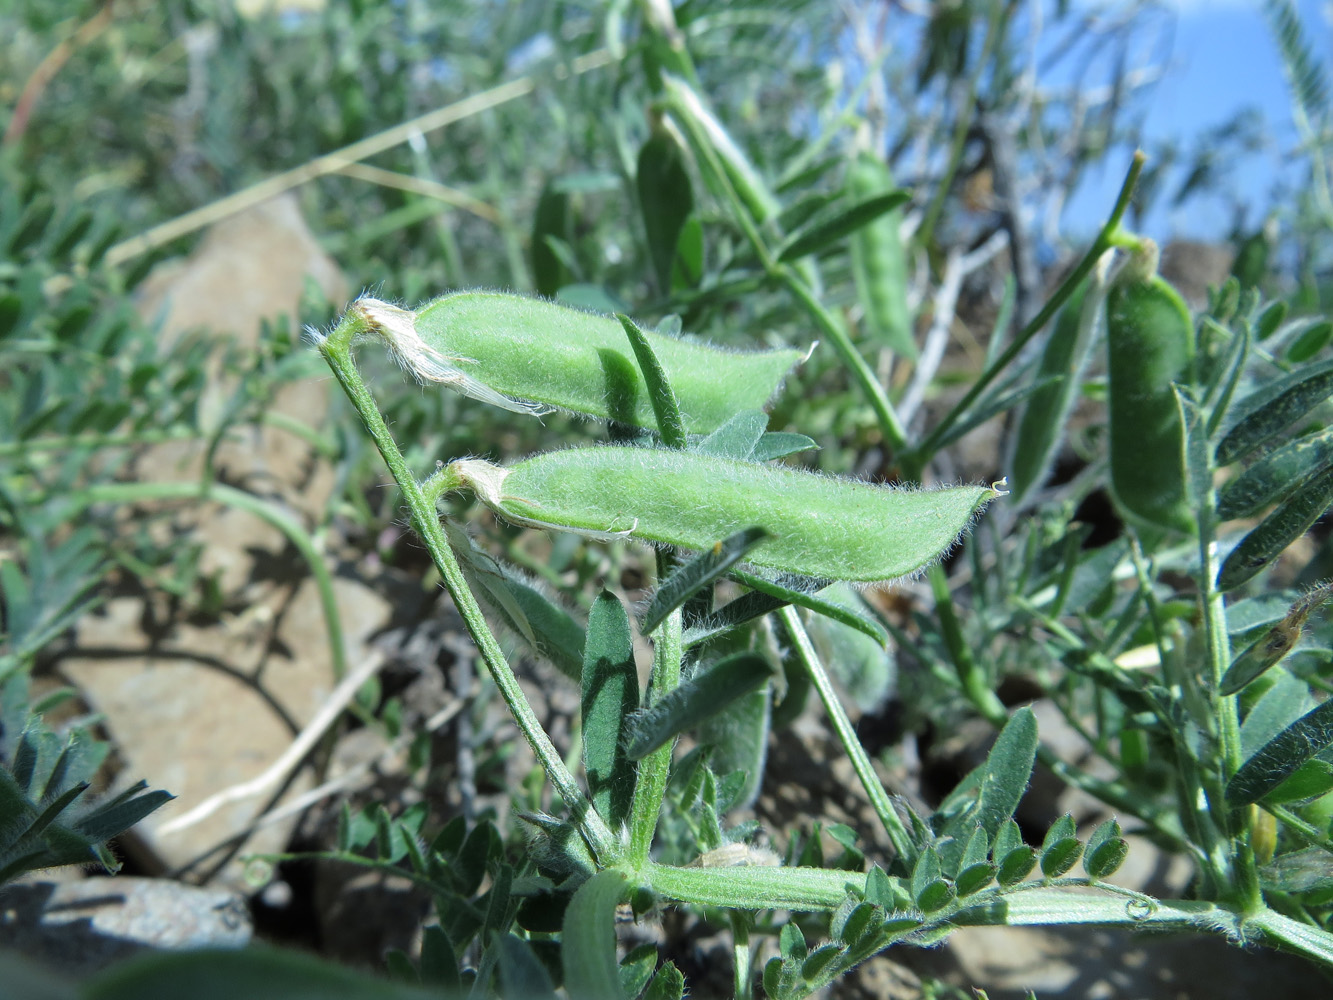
521 972
925 873
1281 705
636 969
1311 780
113 820
588 942
858 923
1306 870
1281 756
978 846
819 960
439 963
732 615
791 943
1268 321
543 625
52 811
1311 341
1292 518
1015 866
790 594
780 444
1060 857
1106 860
666 200
738 736
1275 475
1009 838
688 271
610 697
225 974
699 698
1272 409
551 219
736 438
973 878
700 572
668 984
1008 769
666 407
822 232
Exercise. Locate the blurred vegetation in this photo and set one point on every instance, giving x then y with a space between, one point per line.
132 124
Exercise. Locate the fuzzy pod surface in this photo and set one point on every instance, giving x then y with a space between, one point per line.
820 526
879 260
1150 345
531 355
1042 425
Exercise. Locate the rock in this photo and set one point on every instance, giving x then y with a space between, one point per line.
82 926
201 709
1097 963
195 708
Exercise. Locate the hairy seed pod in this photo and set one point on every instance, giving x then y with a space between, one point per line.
534 356
879 260
837 529
1150 345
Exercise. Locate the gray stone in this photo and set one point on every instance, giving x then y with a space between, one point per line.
83 926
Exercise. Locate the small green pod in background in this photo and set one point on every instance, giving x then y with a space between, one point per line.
1150 345
836 529
534 356
1041 427
879 260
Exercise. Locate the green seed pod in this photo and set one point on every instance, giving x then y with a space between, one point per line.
533 356
1150 345
835 529
879 260
1275 475
1045 415
1288 522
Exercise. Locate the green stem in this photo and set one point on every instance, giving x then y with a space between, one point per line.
914 462
895 435
742 957
650 788
1234 860
337 351
899 836
973 679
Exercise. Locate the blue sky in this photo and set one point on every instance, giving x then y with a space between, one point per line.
1222 58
